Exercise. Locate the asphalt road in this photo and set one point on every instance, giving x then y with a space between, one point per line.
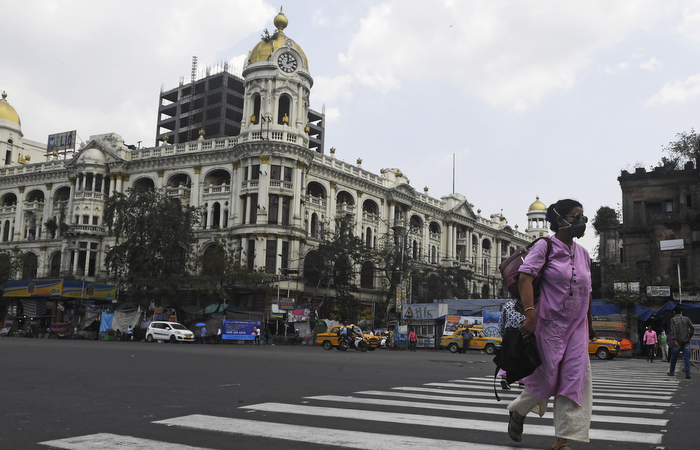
53 389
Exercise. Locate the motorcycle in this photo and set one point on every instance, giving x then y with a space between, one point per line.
358 342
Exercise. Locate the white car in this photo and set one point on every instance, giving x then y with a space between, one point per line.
168 331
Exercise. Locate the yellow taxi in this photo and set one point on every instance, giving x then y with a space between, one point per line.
603 348
330 338
479 341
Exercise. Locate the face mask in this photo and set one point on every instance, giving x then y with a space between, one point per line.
576 230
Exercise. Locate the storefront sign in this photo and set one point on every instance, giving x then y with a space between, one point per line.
288 303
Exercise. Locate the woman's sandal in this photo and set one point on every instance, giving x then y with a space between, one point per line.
515 428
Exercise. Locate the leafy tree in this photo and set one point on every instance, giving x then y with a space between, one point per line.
336 262
154 242
605 217
685 148
223 275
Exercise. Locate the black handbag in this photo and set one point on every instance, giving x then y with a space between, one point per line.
519 356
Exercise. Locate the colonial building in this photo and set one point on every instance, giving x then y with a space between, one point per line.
661 227
269 187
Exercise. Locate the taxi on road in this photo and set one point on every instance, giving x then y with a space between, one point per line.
330 338
479 341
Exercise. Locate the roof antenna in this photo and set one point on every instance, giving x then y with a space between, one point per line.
453 173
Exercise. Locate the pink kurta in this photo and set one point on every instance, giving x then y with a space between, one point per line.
562 320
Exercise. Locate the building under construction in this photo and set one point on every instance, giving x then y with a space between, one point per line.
213 104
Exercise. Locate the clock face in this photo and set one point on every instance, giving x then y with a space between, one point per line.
287 62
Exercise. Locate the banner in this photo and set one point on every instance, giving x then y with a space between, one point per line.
453 323
298 315
241 330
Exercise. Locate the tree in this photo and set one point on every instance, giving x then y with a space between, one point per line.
154 242
685 148
336 262
605 217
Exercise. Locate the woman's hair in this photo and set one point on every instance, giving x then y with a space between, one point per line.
563 207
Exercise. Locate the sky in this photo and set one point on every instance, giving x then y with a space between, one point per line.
528 98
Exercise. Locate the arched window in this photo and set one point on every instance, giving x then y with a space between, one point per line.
368 237
433 255
55 269
216 215
313 263
29 266
367 276
256 109
485 291
213 262
283 110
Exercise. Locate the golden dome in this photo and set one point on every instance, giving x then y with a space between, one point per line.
7 112
538 205
268 44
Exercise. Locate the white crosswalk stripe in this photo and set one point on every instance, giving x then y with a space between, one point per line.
629 406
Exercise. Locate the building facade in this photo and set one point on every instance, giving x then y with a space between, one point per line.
660 232
269 187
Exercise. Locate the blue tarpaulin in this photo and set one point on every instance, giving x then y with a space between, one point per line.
106 321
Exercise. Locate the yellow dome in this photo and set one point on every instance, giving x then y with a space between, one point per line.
264 49
7 112
538 205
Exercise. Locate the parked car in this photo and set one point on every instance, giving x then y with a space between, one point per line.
604 348
168 331
479 341
330 338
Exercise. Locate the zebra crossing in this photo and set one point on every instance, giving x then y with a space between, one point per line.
630 404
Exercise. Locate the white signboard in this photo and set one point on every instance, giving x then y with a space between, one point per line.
671 244
659 291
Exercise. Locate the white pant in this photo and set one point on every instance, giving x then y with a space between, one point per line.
571 421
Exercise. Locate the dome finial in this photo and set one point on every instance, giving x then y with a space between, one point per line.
4 95
280 21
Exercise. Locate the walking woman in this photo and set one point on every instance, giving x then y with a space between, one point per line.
562 323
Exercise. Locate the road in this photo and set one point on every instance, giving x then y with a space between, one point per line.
107 395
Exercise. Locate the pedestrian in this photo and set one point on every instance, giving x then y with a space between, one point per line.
412 339
130 333
663 343
467 337
203 334
681 331
562 323
218 336
256 339
511 317
651 342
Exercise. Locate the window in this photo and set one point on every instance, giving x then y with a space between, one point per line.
285 255
367 276
271 256
668 206
288 174
273 206
251 255
86 220
255 172
688 201
245 173
285 210
95 220
275 172
368 238
253 208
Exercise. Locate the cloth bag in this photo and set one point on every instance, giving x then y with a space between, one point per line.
519 356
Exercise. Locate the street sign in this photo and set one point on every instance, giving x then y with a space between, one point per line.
659 291
288 303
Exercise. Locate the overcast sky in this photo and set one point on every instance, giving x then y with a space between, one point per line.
548 98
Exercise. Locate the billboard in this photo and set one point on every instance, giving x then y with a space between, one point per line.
242 330
61 141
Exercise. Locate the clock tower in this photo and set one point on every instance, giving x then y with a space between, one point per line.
277 86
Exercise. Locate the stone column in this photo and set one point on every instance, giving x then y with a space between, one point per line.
19 216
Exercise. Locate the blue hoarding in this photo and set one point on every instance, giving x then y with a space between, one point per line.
242 330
